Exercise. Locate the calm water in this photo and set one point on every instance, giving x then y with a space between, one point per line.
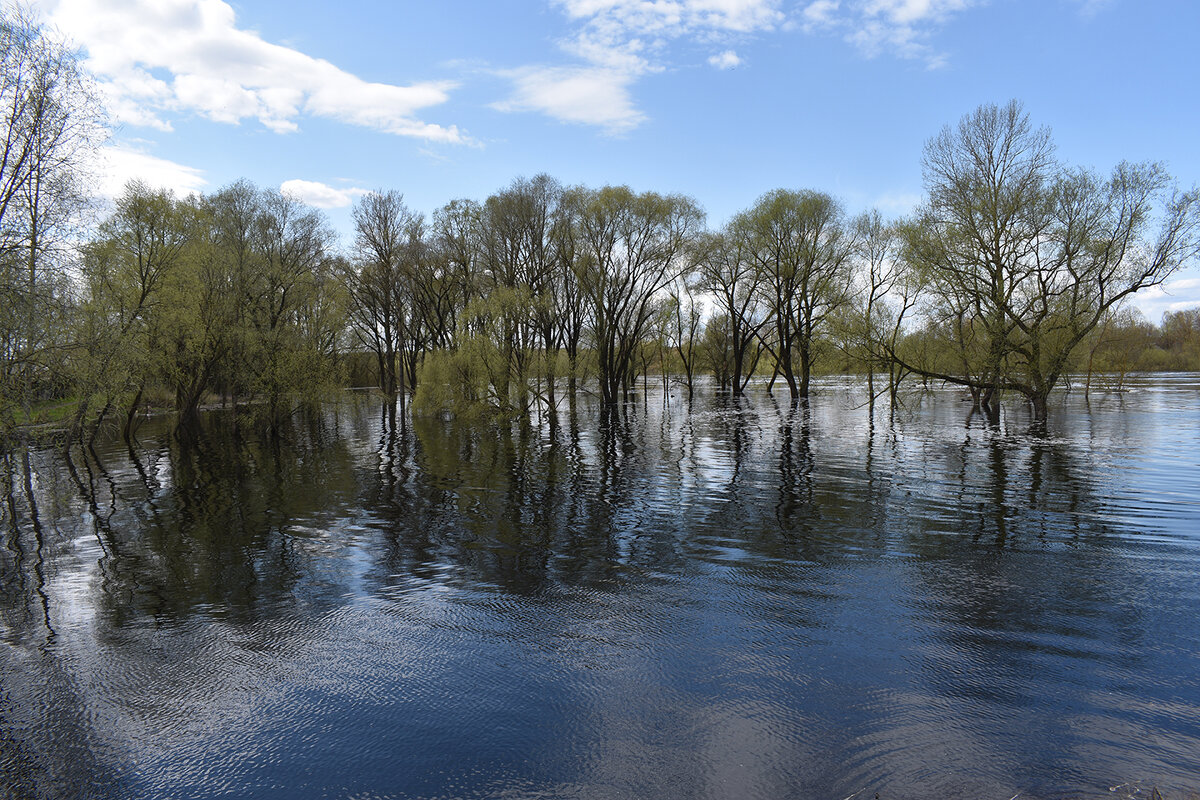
748 600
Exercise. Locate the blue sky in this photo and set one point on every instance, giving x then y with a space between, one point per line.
718 99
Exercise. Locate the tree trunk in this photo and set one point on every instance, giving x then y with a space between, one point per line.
805 369
1038 401
131 417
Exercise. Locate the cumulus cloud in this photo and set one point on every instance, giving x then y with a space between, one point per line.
156 57
588 95
619 42
320 195
119 165
726 60
1179 293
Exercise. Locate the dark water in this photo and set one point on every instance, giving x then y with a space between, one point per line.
746 601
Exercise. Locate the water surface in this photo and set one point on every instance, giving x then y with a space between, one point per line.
742 599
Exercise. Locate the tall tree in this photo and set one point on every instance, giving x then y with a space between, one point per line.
683 329
379 281
1025 256
286 362
886 293
125 270
521 259
629 247
802 246
194 328
727 271
49 126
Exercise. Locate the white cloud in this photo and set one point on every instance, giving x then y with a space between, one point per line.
899 27
156 57
587 95
320 195
726 60
119 165
618 42
1177 294
819 14
1184 284
618 33
677 16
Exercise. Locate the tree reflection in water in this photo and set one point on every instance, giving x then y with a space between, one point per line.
662 598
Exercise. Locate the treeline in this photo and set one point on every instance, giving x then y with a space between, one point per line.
243 296
1014 273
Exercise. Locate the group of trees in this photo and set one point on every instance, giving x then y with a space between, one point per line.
1014 269
233 293
1011 275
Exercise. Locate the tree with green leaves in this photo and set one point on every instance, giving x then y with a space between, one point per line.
1022 256
628 248
801 246
126 269
288 361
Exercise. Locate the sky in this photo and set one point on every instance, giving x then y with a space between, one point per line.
722 100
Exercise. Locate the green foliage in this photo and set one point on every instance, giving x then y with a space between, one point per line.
1022 258
801 247
1015 270
454 381
231 293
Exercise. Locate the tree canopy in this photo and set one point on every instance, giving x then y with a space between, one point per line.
1014 272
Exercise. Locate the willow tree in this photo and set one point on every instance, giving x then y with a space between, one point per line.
126 270
628 248
193 329
727 272
286 359
520 260
801 247
1023 256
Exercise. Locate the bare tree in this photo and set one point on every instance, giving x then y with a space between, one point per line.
378 287
887 293
683 329
728 272
48 128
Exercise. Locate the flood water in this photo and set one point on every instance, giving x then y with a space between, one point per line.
733 600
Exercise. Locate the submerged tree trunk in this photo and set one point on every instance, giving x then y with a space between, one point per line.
805 370
1038 402
131 416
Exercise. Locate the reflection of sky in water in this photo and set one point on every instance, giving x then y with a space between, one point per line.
748 600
